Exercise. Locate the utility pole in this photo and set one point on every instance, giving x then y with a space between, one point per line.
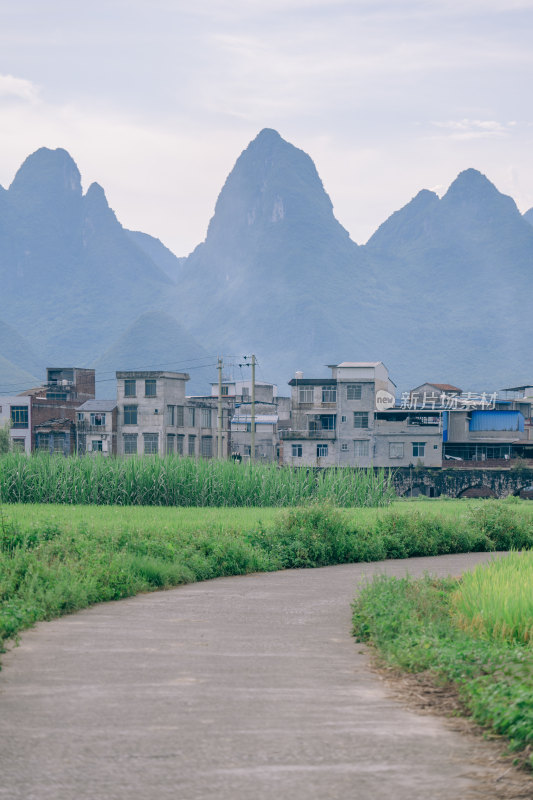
219 418
252 430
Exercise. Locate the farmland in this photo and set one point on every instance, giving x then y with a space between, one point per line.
472 633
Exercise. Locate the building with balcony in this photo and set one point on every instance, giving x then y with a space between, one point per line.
54 407
351 419
96 427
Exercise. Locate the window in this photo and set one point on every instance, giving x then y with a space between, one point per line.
58 396
192 445
171 443
19 445
360 447
59 442
360 419
321 450
297 451
19 416
306 395
395 449
224 391
206 446
206 417
81 416
98 420
180 440
344 447
329 394
344 418
96 446
419 449
130 415
353 391
150 387
130 444
179 416
190 416
171 415
151 443
43 442
130 387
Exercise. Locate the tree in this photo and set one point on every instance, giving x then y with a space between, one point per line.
5 438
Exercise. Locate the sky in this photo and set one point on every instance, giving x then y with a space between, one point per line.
156 100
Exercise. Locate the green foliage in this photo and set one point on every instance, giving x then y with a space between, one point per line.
411 624
5 438
175 481
496 601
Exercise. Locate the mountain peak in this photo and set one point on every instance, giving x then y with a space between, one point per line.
471 183
473 190
272 185
267 135
49 174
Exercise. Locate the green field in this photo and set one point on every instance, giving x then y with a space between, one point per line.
55 559
474 633
186 482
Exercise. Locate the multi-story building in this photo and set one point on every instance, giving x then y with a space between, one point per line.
96 427
351 418
269 410
156 417
54 408
17 411
495 434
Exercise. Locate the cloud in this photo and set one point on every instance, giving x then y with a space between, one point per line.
475 128
12 88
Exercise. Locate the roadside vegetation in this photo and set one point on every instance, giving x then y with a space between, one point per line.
176 481
475 633
55 559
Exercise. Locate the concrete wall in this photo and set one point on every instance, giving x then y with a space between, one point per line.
20 435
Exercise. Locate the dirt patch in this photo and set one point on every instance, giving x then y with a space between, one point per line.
500 776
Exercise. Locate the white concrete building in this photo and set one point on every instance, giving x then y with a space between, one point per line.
16 409
351 419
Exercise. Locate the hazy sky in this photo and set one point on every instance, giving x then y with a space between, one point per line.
155 99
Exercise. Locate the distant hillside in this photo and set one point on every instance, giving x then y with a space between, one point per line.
442 290
155 341
277 274
160 255
72 278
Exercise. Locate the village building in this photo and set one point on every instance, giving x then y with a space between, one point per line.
96 427
269 410
54 408
156 417
352 419
17 412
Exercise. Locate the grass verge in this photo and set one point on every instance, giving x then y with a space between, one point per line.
420 626
58 559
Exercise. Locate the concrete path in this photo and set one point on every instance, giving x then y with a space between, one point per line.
242 688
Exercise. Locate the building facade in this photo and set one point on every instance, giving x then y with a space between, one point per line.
154 416
96 427
351 419
17 412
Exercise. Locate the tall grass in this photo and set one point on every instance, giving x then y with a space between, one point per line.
496 600
413 626
175 481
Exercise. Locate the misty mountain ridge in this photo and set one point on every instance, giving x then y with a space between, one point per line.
439 291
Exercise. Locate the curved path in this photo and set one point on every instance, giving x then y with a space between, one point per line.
241 688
